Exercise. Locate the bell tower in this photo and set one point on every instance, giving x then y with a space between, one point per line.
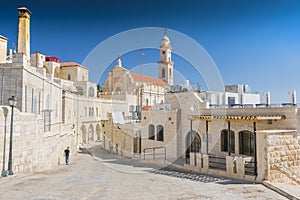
165 64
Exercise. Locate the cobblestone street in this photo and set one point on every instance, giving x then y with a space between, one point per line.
106 176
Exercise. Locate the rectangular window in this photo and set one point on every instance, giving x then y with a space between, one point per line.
32 100
47 120
231 101
151 133
39 103
25 98
163 73
224 141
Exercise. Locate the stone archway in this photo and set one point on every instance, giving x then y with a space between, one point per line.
195 145
83 134
91 133
98 132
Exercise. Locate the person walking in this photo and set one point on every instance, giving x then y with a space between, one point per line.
67 154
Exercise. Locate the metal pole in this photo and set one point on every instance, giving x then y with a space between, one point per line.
10 172
206 136
191 140
228 137
4 145
255 152
2 88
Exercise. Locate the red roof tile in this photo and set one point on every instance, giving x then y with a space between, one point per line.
146 107
148 79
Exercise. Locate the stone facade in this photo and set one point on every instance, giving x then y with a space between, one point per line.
136 89
283 157
3 49
33 148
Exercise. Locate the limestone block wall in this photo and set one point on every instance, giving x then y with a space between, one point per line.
283 157
11 83
3 49
33 149
169 120
189 103
118 134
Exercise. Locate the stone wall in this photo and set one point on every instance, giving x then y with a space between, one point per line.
168 119
283 156
117 134
33 149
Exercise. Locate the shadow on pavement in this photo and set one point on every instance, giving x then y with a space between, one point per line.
161 169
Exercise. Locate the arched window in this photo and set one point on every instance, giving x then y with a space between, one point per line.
163 73
193 143
79 90
91 92
69 77
151 133
246 143
225 142
160 133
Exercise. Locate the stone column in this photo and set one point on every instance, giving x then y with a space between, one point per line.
192 159
240 167
229 165
199 161
261 148
205 163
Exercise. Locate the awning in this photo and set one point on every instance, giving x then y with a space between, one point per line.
236 117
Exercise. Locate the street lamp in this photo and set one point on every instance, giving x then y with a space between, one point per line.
12 103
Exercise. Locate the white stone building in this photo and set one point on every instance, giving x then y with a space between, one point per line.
56 104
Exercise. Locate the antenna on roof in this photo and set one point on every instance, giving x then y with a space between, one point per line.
141 61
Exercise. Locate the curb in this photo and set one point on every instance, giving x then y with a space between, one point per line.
279 191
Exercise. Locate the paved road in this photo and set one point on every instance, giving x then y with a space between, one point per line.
105 176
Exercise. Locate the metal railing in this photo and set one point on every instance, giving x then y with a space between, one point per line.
290 170
154 153
250 168
216 162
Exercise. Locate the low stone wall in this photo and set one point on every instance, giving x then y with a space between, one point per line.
235 166
33 149
278 159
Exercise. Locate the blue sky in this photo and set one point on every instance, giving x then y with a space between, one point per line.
251 42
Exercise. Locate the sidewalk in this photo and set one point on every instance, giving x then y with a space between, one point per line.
289 191
98 174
